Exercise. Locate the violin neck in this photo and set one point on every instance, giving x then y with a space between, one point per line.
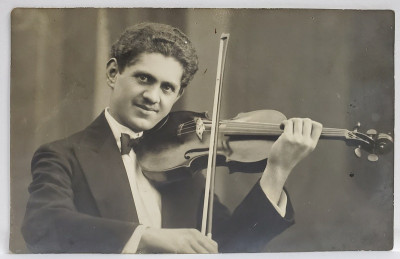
269 129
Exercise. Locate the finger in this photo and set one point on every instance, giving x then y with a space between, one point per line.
210 245
316 130
198 248
207 243
297 127
189 250
288 130
307 127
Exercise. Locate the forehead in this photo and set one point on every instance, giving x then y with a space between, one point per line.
163 68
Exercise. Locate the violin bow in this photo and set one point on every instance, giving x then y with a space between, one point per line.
206 225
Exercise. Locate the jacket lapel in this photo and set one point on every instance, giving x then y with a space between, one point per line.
103 167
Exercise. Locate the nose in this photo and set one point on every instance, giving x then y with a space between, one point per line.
152 94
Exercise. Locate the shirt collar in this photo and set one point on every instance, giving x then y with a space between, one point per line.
117 128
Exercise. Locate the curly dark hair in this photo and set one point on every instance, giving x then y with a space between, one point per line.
156 38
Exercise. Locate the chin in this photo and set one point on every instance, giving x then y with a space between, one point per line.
141 125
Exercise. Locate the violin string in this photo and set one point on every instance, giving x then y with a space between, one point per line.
233 132
269 128
276 125
262 129
266 128
260 124
206 122
188 123
246 126
261 132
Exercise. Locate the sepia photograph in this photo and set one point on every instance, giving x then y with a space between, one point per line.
200 130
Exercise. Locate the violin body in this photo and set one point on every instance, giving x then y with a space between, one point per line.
174 148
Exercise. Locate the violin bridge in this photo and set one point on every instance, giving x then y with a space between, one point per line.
180 127
199 127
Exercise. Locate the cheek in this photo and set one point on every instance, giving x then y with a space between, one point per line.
127 86
168 104
122 99
126 94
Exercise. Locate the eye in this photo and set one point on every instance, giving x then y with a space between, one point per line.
143 78
168 88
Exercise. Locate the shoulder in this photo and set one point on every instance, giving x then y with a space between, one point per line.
64 150
58 154
62 145
93 134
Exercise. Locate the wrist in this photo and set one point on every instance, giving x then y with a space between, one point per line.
273 180
280 164
277 173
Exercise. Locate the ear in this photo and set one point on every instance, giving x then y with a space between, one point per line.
112 72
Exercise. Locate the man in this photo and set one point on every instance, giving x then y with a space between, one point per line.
88 193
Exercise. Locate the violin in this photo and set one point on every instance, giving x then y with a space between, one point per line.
178 146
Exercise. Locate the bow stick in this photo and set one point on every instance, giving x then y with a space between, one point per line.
206 225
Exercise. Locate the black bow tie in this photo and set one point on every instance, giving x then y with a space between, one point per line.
128 143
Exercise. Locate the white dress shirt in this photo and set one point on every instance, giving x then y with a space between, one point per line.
146 198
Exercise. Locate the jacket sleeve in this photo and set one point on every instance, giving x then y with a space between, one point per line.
52 223
252 225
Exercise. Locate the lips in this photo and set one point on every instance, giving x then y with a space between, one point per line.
147 108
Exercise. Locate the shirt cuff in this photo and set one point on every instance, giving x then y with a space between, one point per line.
133 243
280 207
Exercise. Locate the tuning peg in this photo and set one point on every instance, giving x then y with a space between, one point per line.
357 127
371 132
357 151
372 158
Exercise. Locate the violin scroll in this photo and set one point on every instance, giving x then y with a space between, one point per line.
372 142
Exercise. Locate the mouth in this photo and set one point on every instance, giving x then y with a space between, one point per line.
147 108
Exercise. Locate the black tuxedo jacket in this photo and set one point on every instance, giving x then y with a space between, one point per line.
81 201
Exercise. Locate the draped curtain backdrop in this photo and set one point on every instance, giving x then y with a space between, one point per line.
334 66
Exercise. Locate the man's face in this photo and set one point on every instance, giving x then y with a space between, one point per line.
145 91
